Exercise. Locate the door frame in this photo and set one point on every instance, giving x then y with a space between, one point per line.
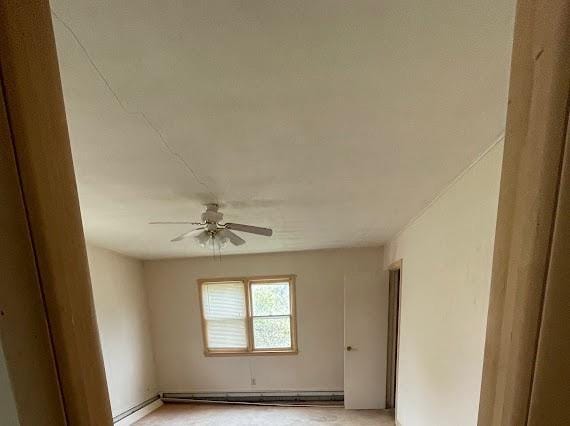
393 343
56 352
531 230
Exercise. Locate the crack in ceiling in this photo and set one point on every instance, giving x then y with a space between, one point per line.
141 114
332 123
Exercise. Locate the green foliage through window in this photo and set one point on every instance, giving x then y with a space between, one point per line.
271 310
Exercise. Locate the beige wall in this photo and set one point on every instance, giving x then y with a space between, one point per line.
447 257
123 318
181 364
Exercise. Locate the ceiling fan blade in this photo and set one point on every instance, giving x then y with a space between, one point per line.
235 239
175 223
187 234
248 228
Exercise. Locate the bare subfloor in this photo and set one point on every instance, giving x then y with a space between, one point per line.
251 415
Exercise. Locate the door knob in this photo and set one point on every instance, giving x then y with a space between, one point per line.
349 348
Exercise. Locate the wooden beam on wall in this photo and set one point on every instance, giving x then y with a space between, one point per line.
36 117
534 145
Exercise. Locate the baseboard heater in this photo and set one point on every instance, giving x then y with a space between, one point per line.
134 409
290 397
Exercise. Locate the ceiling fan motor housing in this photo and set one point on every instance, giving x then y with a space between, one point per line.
212 215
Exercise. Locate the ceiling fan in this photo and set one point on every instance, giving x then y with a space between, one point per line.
214 234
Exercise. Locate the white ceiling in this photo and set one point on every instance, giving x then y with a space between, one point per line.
334 122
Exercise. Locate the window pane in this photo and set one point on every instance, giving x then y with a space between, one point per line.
226 334
225 315
270 299
272 333
223 300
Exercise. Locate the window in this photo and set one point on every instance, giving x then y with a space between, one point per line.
248 316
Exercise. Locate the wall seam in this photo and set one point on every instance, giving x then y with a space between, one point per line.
447 188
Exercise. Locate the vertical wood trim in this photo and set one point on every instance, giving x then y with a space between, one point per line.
248 310
393 335
36 114
293 301
390 363
24 332
551 386
202 317
393 267
535 133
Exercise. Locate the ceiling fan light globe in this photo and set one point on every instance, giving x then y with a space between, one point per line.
203 238
222 240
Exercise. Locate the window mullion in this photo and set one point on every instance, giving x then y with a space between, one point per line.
249 321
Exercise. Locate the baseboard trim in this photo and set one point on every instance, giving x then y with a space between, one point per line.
137 412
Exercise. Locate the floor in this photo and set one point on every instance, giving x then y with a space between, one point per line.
251 415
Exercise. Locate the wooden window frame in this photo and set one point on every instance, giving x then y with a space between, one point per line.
247 283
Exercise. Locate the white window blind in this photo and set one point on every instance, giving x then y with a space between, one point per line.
225 315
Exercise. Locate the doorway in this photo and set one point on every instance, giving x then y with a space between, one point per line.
394 292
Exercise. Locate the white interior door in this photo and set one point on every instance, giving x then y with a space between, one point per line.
365 338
